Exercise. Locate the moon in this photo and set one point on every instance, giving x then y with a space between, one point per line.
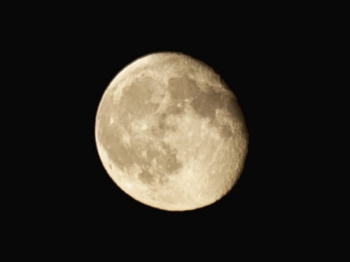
170 133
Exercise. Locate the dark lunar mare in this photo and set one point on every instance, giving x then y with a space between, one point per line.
203 103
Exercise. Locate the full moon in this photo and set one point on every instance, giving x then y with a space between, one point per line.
170 133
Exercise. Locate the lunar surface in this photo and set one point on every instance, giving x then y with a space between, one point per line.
170 133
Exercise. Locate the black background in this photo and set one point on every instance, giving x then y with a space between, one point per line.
62 58
263 63
252 68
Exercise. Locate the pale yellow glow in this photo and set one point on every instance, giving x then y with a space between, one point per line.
171 134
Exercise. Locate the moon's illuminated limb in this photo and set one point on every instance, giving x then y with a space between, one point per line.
170 133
